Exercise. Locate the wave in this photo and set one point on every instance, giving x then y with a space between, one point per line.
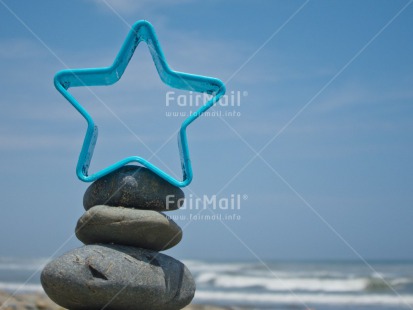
199 266
238 298
7 263
298 274
20 287
283 284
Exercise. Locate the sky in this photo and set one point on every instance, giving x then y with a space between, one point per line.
309 160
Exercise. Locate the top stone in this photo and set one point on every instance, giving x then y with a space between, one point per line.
134 187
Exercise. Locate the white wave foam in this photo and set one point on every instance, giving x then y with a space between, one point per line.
281 284
20 287
296 274
198 266
7 263
21 267
331 299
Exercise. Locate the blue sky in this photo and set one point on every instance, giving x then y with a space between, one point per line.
320 149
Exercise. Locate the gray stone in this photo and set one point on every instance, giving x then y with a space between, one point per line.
141 228
119 278
134 187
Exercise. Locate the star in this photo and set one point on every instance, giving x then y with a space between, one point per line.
141 31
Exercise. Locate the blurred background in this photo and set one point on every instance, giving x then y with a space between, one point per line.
313 142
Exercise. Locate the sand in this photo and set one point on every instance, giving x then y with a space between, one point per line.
40 301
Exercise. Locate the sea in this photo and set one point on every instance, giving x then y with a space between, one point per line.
280 285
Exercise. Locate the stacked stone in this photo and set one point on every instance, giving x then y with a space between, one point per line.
119 267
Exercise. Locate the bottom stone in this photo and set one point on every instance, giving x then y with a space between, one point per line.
117 277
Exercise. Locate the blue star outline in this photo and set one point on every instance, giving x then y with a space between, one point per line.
141 31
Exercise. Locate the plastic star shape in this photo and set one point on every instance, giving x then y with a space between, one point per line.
141 31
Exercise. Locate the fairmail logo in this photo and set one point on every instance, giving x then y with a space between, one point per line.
192 202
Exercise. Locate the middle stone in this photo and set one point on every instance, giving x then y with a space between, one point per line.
140 228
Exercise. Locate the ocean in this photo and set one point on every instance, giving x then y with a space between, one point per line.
270 285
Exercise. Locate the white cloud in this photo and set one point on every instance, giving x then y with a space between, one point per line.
361 93
21 142
132 6
20 48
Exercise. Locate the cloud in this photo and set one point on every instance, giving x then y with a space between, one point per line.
358 94
20 48
18 142
132 6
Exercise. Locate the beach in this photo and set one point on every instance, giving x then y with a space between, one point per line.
330 285
39 301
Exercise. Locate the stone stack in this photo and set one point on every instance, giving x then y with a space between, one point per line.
119 267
